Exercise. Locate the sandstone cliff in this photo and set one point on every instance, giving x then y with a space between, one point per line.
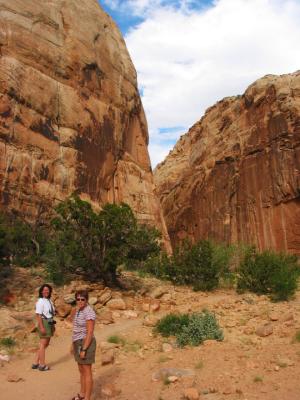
235 176
71 118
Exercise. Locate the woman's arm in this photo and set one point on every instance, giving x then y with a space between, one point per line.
90 324
40 323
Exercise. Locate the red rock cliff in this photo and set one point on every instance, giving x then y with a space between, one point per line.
71 118
234 176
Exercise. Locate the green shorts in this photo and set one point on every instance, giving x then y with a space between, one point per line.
49 330
89 355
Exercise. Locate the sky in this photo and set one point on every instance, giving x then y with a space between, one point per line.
189 54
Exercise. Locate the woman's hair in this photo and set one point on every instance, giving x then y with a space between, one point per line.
42 288
83 293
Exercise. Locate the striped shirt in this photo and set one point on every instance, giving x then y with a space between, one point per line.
79 322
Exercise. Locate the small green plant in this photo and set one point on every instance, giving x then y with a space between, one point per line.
163 359
133 346
166 381
282 364
116 339
297 337
190 329
8 342
258 379
199 365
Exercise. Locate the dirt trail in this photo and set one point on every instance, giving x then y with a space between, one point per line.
245 366
62 381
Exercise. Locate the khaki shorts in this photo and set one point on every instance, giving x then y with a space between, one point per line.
89 355
49 330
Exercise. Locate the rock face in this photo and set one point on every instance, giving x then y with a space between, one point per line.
234 176
71 118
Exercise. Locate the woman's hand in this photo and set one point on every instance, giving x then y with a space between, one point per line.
82 355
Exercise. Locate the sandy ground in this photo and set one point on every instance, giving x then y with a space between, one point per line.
244 366
62 381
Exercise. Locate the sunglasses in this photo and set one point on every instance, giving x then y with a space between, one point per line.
80 299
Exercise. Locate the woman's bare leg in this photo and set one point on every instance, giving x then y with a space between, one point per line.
82 381
40 356
88 378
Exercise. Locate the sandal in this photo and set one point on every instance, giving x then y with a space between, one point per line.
43 368
35 366
78 397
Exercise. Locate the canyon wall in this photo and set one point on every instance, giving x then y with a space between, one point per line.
235 176
71 118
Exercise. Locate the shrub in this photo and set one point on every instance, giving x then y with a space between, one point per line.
268 273
201 264
7 342
116 340
203 271
201 326
20 243
190 329
95 244
159 266
171 324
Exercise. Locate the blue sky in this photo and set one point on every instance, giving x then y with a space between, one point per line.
126 18
191 53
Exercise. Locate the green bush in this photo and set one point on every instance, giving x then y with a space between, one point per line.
94 245
171 324
20 243
8 342
201 265
190 329
268 273
202 326
158 265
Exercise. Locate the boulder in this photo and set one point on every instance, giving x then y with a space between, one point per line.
93 301
116 304
158 292
130 314
264 330
70 298
191 394
150 320
167 347
105 316
105 296
155 306
164 373
108 357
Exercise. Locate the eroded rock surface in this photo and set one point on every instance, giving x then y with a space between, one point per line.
234 176
71 118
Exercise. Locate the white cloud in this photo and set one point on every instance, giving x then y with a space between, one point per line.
186 61
158 152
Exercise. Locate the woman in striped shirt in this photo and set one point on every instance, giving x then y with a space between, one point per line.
84 343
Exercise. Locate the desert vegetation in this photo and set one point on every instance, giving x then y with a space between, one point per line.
190 329
96 245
